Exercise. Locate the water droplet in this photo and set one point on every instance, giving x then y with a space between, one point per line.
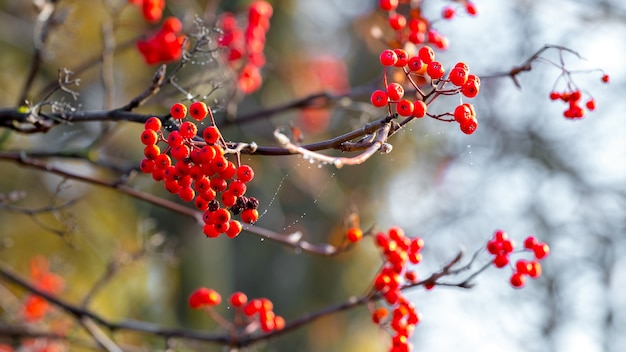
262 239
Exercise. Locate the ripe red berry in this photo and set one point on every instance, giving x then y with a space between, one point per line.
435 70
379 314
198 110
605 78
149 137
250 216
530 242
188 130
237 187
458 76
469 126
218 164
210 231
218 184
234 229
180 152
471 9
501 260
245 173
419 109
175 138
541 250
151 151
204 297
153 123
404 107
228 198
186 194
395 91
415 64
238 299
462 113
518 280
403 57
354 234
534 270
388 5
591 104
388 57
147 166
448 12
426 54
178 111
211 134
471 88
379 98
397 21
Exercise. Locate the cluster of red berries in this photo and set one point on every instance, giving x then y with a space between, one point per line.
501 247
198 170
166 45
152 10
399 251
258 309
244 48
418 29
573 97
424 67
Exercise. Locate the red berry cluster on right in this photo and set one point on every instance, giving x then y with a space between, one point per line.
256 312
502 247
423 67
418 29
244 48
575 110
199 172
399 251
166 45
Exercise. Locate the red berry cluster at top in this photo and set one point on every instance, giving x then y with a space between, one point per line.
35 307
259 310
423 67
409 24
399 251
152 10
199 171
244 47
166 45
502 247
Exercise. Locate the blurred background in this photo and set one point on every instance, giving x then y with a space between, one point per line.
526 170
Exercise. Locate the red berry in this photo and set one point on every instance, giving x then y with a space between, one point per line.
234 228
541 250
426 54
230 171
180 152
204 297
419 109
403 57
534 270
591 104
228 198
220 216
379 98
435 70
471 88
395 91
151 151
188 130
471 9
178 111
462 113
210 231
218 184
238 299
458 76
388 57
404 107
501 260
249 216
198 110
218 164
175 138
555 95
153 123
211 134
245 173
415 64
530 242
448 12
379 314
388 5
605 78
518 280
237 187
397 21
186 194
354 234
147 166
149 137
